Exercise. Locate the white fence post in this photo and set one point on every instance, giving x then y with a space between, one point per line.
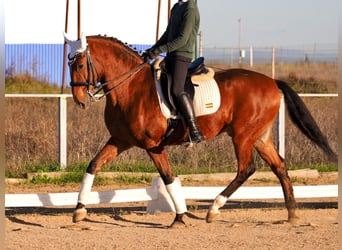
62 125
273 63
251 60
281 129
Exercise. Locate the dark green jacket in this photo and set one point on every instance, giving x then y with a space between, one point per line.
181 32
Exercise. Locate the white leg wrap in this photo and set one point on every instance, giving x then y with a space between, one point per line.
87 183
218 203
176 193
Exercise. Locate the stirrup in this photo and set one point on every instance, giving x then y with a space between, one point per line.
191 142
199 138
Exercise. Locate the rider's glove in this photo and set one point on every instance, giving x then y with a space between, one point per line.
151 53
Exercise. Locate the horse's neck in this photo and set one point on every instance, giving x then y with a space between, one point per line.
114 56
118 64
134 91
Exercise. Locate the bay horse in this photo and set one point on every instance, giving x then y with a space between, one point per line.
249 105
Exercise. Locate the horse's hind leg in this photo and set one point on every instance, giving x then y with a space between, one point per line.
267 151
246 167
107 153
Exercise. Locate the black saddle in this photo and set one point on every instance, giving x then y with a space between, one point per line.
197 67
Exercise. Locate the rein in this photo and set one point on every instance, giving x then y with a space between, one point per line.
127 76
91 68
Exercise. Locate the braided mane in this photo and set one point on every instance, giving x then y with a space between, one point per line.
126 46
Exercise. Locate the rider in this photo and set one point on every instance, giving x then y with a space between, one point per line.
178 42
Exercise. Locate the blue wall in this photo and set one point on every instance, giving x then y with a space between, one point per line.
42 61
45 61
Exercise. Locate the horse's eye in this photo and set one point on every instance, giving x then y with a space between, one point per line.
80 66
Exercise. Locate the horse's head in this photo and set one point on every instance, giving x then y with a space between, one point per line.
101 64
82 71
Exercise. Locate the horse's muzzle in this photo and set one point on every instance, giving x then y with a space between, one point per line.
83 103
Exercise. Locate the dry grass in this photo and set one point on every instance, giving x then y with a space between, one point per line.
31 135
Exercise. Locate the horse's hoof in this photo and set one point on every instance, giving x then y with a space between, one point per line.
294 220
177 224
211 216
79 214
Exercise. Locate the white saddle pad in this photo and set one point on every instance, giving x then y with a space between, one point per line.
207 98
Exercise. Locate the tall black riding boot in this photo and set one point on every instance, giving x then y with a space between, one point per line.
187 109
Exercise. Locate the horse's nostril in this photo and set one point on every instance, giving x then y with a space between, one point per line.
82 105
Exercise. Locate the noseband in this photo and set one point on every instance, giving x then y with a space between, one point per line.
91 71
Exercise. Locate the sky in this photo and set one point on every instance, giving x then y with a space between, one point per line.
262 22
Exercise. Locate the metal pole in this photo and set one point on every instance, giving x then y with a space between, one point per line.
168 10
158 17
65 48
79 19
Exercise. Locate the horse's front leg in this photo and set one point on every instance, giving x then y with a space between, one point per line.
107 153
160 159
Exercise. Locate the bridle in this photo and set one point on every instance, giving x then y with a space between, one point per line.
94 81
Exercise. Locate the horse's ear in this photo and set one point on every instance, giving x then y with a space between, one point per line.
66 39
83 41
78 46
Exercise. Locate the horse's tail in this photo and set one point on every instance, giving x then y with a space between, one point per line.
301 117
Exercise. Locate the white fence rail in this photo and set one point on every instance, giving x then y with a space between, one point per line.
62 121
158 198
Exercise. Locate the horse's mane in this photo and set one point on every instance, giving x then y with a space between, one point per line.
133 51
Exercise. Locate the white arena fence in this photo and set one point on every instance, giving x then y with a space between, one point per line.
156 196
159 200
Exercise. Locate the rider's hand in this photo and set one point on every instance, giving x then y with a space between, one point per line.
151 53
